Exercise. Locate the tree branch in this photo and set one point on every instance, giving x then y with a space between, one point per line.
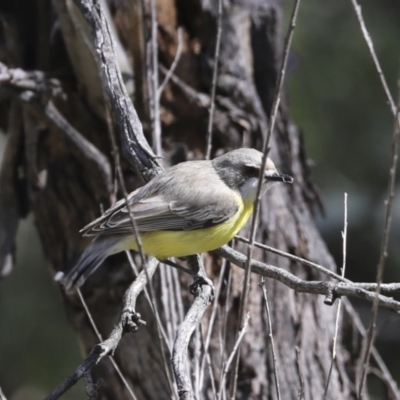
204 293
331 290
134 144
129 321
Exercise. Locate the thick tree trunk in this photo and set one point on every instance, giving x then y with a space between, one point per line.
65 191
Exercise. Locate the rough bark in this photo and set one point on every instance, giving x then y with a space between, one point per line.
72 194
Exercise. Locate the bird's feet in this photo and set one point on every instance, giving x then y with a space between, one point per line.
198 282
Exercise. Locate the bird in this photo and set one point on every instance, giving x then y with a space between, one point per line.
190 208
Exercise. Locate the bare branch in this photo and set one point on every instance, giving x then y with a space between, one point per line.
235 349
204 293
300 372
134 144
388 288
384 244
214 82
99 337
212 320
200 99
153 82
300 260
375 354
331 290
344 236
173 65
129 321
271 336
92 156
370 44
254 221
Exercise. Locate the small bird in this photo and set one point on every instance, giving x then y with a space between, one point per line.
193 207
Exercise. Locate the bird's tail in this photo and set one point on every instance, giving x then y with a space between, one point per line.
94 255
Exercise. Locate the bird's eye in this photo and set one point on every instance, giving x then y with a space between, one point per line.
252 171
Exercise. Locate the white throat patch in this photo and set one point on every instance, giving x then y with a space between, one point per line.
249 189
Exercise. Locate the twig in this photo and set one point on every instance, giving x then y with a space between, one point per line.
235 349
154 98
173 65
166 303
331 290
178 294
385 287
100 339
129 321
95 355
200 99
212 319
392 385
300 372
303 261
203 297
344 237
384 246
271 336
214 82
210 367
224 323
370 45
196 361
172 302
267 138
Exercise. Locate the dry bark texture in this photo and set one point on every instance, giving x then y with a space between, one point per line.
65 191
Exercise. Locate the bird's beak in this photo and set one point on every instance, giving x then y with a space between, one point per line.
278 177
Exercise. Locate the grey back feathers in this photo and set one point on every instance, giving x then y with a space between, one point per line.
187 196
190 195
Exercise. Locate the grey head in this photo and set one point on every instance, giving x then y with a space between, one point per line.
240 170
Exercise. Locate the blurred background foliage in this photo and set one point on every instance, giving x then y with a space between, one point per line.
337 100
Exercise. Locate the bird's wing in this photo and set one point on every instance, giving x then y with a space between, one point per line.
209 206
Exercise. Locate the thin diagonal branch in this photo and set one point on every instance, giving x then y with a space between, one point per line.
154 98
228 363
129 322
99 337
271 336
214 82
370 44
384 248
391 383
267 138
344 236
173 65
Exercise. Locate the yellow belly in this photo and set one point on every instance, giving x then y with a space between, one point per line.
165 244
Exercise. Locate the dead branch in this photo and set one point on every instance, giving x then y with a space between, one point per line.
331 290
134 144
267 134
129 321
